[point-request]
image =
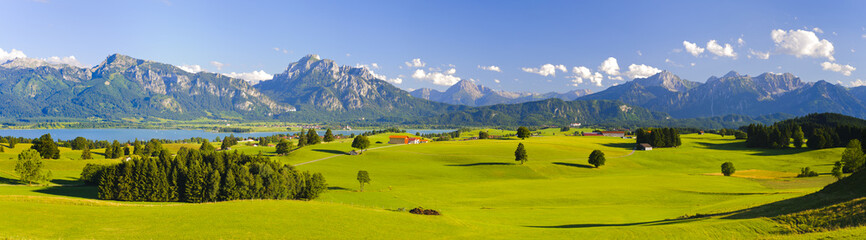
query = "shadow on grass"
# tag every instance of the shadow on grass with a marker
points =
(5, 180)
(627, 146)
(573, 165)
(332, 188)
(480, 164)
(593, 225)
(330, 151)
(83, 191)
(739, 145)
(67, 182)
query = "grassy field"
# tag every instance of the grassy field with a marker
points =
(480, 190)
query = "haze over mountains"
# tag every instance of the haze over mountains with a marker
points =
(316, 89)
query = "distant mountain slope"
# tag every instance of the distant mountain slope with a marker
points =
(122, 86)
(468, 93)
(322, 90)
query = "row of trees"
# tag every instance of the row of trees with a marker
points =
(775, 136)
(659, 137)
(202, 176)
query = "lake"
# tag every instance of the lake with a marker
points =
(173, 134)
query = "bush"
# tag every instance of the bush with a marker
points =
(422, 211)
(596, 158)
(728, 168)
(807, 172)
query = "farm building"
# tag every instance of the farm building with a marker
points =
(395, 139)
(644, 146)
(613, 133)
(592, 134)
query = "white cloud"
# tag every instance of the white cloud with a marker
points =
(858, 83)
(253, 77)
(12, 54)
(741, 42)
(609, 67)
(717, 49)
(191, 68)
(437, 78)
(817, 30)
(639, 53)
(451, 71)
(285, 51)
(63, 60)
(490, 68)
(693, 48)
(416, 63)
(672, 63)
(759, 54)
(693, 64)
(839, 68)
(546, 69)
(372, 66)
(583, 73)
(218, 65)
(641, 71)
(496, 80)
(802, 43)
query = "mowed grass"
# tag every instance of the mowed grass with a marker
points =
(480, 190)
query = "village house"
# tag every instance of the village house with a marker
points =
(613, 133)
(396, 139)
(644, 146)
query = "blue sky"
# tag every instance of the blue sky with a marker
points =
(456, 39)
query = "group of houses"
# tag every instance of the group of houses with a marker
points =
(398, 139)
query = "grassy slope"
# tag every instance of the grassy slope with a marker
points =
(475, 184)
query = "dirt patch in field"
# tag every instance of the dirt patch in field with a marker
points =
(758, 174)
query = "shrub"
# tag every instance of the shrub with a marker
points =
(422, 211)
(728, 168)
(807, 172)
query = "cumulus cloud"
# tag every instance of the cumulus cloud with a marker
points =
(218, 65)
(62, 60)
(546, 69)
(817, 30)
(802, 43)
(496, 80)
(372, 66)
(839, 68)
(740, 41)
(490, 68)
(641, 71)
(759, 54)
(253, 77)
(609, 66)
(437, 78)
(12, 54)
(693, 48)
(416, 63)
(583, 73)
(719, 50)
(191, 68)
(857, 83)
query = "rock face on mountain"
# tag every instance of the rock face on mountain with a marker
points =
(319, 86)
(734, 93)
(468, 93)
(122, 86)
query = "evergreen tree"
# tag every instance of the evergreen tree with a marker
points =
(126, 151)
(228, 191)
(523, 132)
(206, 146)
(329, 136)
(520, 154)
(852, 157)
(12, 142)
(818, 140)
(596, 158)
(302, 139)
(312, 137)
(118, 149)
(797, 134)
(213, 185)
(137, 149)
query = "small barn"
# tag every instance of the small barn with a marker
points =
(613, 133)
(396, 139)
(644, 146)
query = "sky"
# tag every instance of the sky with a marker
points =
(528, 46)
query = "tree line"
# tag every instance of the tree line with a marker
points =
(202, 176)
(658, 137)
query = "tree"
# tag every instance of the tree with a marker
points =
(596, 158)
(313, 137)
(264, 141)
(363, 177)
(85, 154)
(283, 147)
(302, 139)
(837, 170)
(520, 154)
(728, 168)
(137, 148)
(29, 167)
(523, 132)
(852, 157)
(206, 146)
(329, 136)
(78, 143)
(798, 137)
(12, 142)
(46, 147)
(361, 142)
(226, 143)
(483, 135)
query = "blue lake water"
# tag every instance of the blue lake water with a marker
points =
(146, 134)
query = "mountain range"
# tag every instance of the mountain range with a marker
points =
(316, 89)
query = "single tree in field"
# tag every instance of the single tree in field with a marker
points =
(302, 138)
(46, 147)
(363, 177)
(206, 146)
(520, 154)
(798, 137)
(313, 137)
(283, 147)
(837, 170)
(361, 142)
(329, 136)
(2, 149)
(596, 158)
(852, 157)
(78, 143)
(483, 135)
(12, 142)
(728, 168)
(29, 167)
(85, 154)
(523, 132)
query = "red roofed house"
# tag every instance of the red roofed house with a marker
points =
(395, 139)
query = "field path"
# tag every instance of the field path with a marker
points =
(629, 154)
(336, 155)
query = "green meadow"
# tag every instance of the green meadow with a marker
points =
(476, 185)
